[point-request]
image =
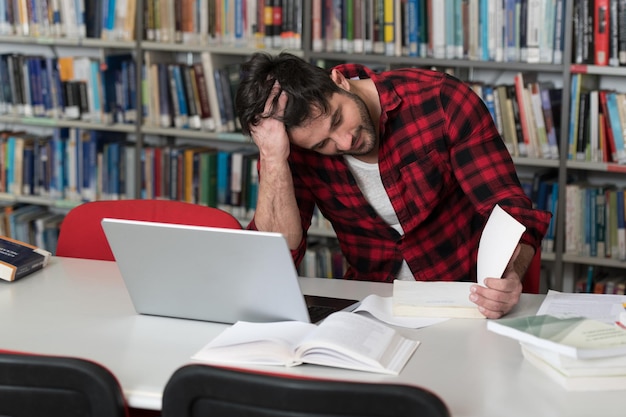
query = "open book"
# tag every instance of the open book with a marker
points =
(343, 340)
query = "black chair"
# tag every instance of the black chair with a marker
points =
(197, 390)
(50, 386)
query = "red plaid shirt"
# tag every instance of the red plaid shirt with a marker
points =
(444, 167)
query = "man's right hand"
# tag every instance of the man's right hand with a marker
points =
(270, 135)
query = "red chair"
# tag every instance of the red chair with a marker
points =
(81, 234)
(532, 279)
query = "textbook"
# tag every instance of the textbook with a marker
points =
(433, 299)
(342, 340)
(570, 367)
(580, 374)
(575, 337)
(18, 259)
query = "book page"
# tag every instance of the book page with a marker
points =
(256, 343)
(497, 244)
(381, 309)
(353, 341)
(601, 307)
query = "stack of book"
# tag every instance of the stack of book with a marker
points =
(580, 354)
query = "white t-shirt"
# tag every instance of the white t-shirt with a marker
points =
(368, 179)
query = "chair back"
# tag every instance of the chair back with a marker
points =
(532, 279)
(198, 390)
(37, 385)
(81, 234)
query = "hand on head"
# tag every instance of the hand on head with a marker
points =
(270, 135)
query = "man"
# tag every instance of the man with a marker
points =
(406, 165)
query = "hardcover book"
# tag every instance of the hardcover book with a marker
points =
(18, 259)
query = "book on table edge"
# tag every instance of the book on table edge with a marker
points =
(613, 366)
(18, 259)
(575, 337)
(575, 383)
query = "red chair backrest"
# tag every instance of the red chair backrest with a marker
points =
(81, 234)
(532, 279)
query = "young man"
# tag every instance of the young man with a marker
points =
(406, 165)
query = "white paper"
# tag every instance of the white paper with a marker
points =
(381, 309)
(497, 244)
(601, 307)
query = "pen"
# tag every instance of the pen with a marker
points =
(621, 322)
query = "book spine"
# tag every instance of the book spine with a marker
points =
(601, 30)
(205, 108)
(190, 94)
(389, 27)
(621, 12)
(559, 32)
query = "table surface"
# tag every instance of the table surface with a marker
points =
(81, 308)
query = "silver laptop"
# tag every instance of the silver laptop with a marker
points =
(212, 274)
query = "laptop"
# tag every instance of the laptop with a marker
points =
(212, 274)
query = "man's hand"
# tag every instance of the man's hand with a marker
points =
(270, 135)
(500, 294)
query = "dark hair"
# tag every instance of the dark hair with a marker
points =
(307, 87)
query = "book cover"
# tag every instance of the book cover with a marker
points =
(574, 337)
(18, 259)
(343, 340)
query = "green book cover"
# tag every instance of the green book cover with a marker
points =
(576, 337)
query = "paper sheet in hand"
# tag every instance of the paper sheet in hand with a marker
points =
(497, 244)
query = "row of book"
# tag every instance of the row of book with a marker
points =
(43, 18)
(227, 179)
(195, 96)
(258, 23)
(527, 114)
(322, 260)
(600, 281)
(595, 221)
(32, 224)
(599, 32)
(84, 165)
(543, 190)
(108, 19)
(487, 30)
(68, 164)
(597, 123)
(77, 88)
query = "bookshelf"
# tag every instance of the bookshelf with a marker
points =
(497, 69)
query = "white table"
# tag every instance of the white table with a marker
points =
(81, 308)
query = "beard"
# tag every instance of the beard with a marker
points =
(366, 130)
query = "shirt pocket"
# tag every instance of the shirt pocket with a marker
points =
(426, 181)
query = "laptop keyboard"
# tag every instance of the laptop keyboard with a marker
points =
(319, 313)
